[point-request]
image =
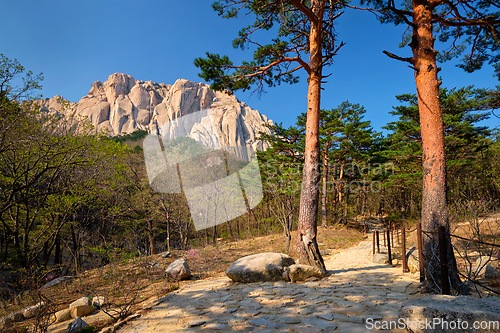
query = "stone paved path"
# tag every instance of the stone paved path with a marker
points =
(356, 290)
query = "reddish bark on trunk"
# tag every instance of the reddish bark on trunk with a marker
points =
(434, 205)
(324, 189)
(307, 246)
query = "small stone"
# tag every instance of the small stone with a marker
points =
(491, 272)
(33, 311)
(166, 254)
(298, 272)
(77, 325)
(412, 260)
(98, 301)
(381, 258)
(486, 271)
(178, 270)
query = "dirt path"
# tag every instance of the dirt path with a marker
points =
(357, 293)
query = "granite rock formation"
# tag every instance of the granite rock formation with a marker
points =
(122, 105)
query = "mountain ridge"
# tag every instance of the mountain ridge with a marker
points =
(122, 105)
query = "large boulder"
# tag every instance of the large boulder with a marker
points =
(178, 270)
(298, 272)
(259, 267)
(442, 313)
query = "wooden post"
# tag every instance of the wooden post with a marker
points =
(445, 286)
(373, 236)
(420, 254)
(403, 249)
(392, 236)
(378, 242)
(383, 233)
(389, 246)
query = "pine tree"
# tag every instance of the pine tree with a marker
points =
(305, 40)
(464, 139)
(451, 18)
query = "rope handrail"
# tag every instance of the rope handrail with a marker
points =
(478, 283)
(475, 241)
(442, 256)
(428, 233)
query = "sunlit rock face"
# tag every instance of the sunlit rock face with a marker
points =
(122, 105)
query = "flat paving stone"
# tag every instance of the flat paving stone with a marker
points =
(320, 323)
(288, 320)
(262, 322)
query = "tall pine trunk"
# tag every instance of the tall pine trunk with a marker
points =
(434, 206)
(307, 246)
(324, 189)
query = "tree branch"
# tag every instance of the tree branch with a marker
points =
(262, 70)
(393, 56)
(305, 10)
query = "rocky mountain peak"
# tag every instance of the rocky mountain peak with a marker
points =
(122, 105)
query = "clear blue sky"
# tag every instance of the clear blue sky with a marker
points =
(75, 43)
